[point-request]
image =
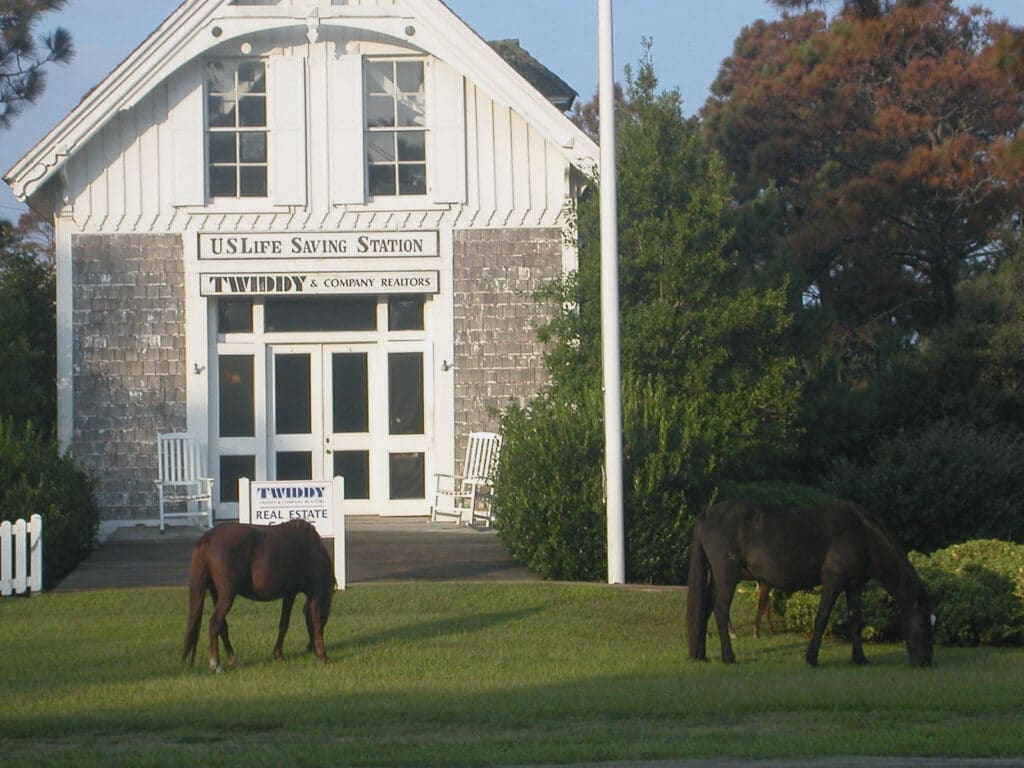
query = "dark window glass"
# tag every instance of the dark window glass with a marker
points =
(292, 395)
(405, 313)
(350, 392)
(406, 476)
(222, 148)
(380, 111)
(294, 465)
(233, 468)
(411, 146)
(381, 147)
(253, 147)
(354, 466)
(405, 393)
(382, 180)
(237, 396)
(252, 181)
(222, 112)
(223, 181)
(409, 76)
(234, 316)
(252, 111)
(320, 313)
(412, 179)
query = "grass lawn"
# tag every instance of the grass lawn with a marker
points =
(445, 674)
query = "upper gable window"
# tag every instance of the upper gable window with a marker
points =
(396, 127)
(236, 92)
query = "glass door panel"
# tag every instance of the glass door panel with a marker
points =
(292, 394)
(295, 434)
(354, 466)
(405, 393)
(350, 392)
(407, 440)
(348, 419)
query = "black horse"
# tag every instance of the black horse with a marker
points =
(840, 546)
(260, 563)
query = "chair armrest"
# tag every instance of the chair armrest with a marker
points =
(457, 483)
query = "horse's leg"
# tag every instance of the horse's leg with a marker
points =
(282, 626)
(232, 658)
(725, 589)
(764, 608)
(219, 628)
(310, 630)
(704, 619)
(853, 602)
(829, 594)
(315, 627)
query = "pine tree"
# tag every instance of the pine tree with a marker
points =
(24, 55)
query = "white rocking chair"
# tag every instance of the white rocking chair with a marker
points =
(180, 479)
(469, 497)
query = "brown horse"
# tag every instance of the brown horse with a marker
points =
(259, 563)
(838, 546)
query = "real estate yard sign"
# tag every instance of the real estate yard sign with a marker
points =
(318, 502)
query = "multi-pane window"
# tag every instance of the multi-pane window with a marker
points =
(237, 128)
(396, 128)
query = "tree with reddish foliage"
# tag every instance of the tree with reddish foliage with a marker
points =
(884, 141)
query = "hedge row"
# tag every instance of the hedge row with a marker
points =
(36, 478)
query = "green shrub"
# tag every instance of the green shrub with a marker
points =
(982, 588)
(550, 489)
(946, 484)
(35, 478)
(983, 582)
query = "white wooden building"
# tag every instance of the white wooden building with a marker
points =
(309, 232)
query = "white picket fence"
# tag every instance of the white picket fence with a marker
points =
(21, 556)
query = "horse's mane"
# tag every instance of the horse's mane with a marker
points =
(874, 524)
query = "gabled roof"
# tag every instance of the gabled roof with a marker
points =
(189, 31)
(554, 88)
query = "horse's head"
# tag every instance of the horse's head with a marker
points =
(918, 625)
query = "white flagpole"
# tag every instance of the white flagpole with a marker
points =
(610, 302)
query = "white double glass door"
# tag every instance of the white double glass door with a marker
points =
(359, 411)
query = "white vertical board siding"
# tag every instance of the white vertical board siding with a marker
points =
(287, 158)
(347, 157)
(515, 175)
(186, 114)
(485, 153)
(504, 162)
(152, 182)
(132, 143)
(519, 148)
(446, 169)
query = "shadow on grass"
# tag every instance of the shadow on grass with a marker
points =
(432, 629)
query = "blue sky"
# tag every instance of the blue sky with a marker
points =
(691, 37)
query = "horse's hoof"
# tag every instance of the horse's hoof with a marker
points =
(812, 660)
(861, 662)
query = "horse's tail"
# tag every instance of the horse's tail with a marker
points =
(199, 573)
(698, 593)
